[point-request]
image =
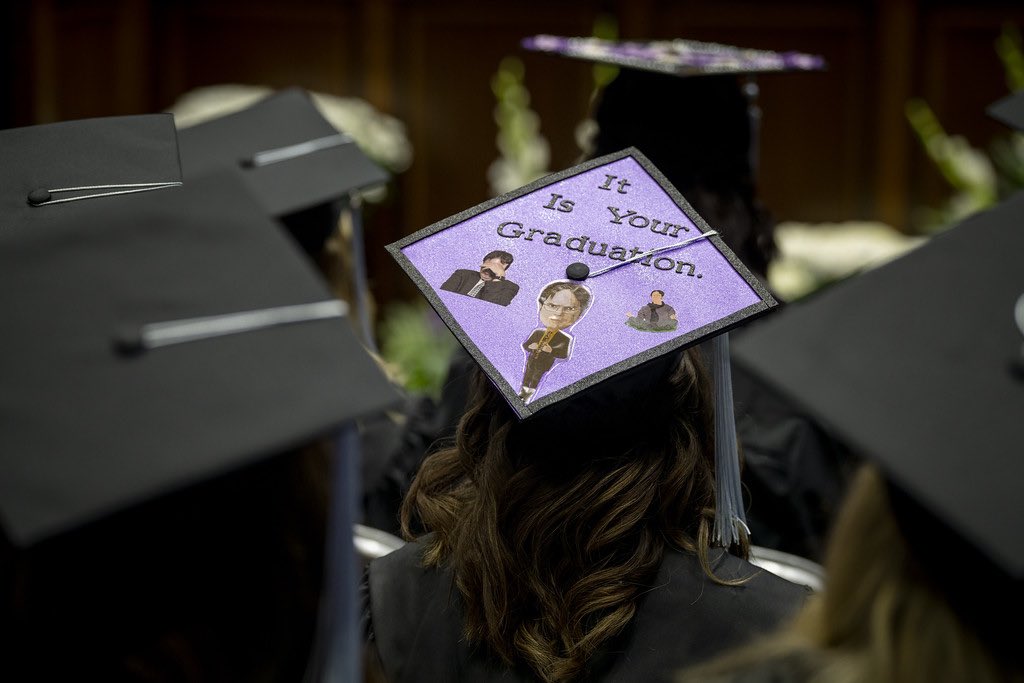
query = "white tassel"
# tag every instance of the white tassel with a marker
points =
(729, 513)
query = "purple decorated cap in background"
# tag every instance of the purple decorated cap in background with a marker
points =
(577, 277)
(677, 57)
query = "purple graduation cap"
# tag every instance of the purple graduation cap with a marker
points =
(678, 57)
(580, 276)
(716, 143)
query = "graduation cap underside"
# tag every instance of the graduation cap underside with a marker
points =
(157, 343)
(1009, 110)
(291, 156)
(913, 365)
(578, 277)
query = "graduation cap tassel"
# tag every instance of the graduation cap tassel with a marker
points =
(362, 290)
(336, 655)
(43, 197)
(728, 494)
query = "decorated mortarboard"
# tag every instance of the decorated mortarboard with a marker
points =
(678, 57)
(579, 277)
(292, 158)
(918, 365)
(1009, 110)
(49, 170)
(157, 344)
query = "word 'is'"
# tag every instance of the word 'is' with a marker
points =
(622, 217)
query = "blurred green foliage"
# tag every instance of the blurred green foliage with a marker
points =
(524, 152)
(979, 179)
(417, 346)
(606, 27)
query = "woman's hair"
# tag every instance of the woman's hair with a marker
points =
(880, 619)
(554, 527)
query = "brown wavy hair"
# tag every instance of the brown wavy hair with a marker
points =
(555, 527)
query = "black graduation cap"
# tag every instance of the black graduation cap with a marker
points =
(301, 169)
(155, 344)
(50, 170)
(916, 365)
(1009, 110)
(292, 158)
(560, 288)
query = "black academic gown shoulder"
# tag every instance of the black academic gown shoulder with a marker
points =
(799, 665)
(415, 616)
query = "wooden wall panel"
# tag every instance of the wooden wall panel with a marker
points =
(450, 55)
(835, 145)
(892, 65)
(813, 151)
(260, 43)
(88, 59)
(445, 58)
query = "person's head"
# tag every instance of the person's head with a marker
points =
(699, 136)
(525, 512)
(887, 600)
(657, 296)
(165, 541)
(218, 581)
(882, 617)
(562, 303)
(495, 264)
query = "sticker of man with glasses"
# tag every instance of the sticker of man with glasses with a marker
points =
(560, 305)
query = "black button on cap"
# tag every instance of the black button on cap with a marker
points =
(128, 340)
(1017, 368)
(39, 196)
(577, 271)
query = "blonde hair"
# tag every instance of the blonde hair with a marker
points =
(879, 620)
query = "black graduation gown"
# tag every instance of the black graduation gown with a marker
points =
(415, 618)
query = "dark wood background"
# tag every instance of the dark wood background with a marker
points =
(835, 145)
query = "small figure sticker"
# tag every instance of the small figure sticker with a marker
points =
(560, 305)
(657, 316)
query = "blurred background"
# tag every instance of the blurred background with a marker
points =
(891, 140)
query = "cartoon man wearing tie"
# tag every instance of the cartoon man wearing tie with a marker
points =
(560, 305)
(487, 284)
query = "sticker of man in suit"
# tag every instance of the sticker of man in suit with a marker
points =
(486, 284)
(656, 316)
(560, 305)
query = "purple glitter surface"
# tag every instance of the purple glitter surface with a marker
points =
(680, 57)
(605, 213)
